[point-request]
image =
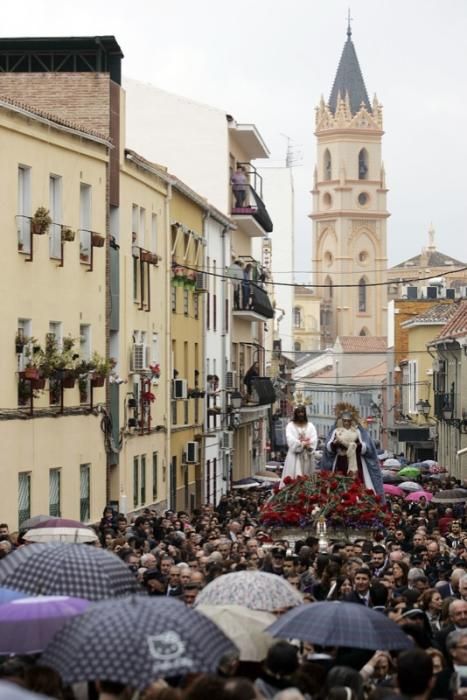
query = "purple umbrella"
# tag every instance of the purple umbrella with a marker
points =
(29, 624)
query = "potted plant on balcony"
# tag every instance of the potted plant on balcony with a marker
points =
(41, 221)
(101, 368)
(97, 241)
(34, 362)
(189, 281)
(68, 234)
(60, 363)
(178, 276)
(148, 397)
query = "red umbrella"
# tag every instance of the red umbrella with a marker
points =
(392, 490)
(416, 496)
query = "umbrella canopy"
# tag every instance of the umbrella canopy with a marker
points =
(340, 624)
(450, 496)
(436, 469)
(391, 463)
(430, 462)
(157, 637)
(256, 590)
(8, 594)
(28, 625)
(61, 530)
(11, 691)
(410, 486)
(35, 520)
(392, 490)
(390, 477)
(416, 495)
(67, 569)
(244, 627)
(410, 472)
(266, 476)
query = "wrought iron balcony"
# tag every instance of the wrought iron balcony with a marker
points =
(251, 302)
(248, 208)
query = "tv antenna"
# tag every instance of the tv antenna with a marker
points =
(293, 156)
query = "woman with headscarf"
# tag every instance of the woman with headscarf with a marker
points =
(349, 449)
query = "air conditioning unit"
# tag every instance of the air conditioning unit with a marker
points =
(227, 439)
(201, 282)
(180, 389)
(191, 452)
(231, 380)
(139, 357)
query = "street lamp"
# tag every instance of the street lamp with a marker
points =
(236, 400)
(447, 412)
(423, 407)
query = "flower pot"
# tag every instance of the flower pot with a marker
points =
(38, 383)
(146, 256)
(97, 241)
(97, 381)
(31, 373)
(68, 382)
(38, 228)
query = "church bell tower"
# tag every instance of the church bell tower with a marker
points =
(349, 215)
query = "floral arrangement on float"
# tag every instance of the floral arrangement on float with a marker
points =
(341, 502)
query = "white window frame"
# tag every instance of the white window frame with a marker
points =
(55, 209)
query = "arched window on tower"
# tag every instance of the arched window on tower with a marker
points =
(363, 164)
(297, 347)
(327, 164)
(362, 295)
(297, 317)
(328, 290)
(364, 332)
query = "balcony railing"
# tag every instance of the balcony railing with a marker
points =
(445, 402)
(249, 296)
(247, 202)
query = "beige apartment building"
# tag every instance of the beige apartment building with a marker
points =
(53, 457)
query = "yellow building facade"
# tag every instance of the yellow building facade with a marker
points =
(53, 455)
(187, 211)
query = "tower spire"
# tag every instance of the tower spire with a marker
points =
(349, 78)
(349, 28)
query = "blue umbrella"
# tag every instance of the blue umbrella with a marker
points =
(336, 624)
(136, 640)
(28, 625)
(8, 594)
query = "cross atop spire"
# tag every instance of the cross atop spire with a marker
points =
(349, 28)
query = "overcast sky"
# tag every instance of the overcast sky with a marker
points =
(269, 61)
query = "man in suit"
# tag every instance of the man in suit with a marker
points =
(362, 590)
(451, 589)
(174, 589)
(458, 621)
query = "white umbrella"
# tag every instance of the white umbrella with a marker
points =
(266, 476)
(410, 486)
(391, 463)
(77, 535)
(61, 530)
(244, 627)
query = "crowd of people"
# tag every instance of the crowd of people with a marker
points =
(414, 572)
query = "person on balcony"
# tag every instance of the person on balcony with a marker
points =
(249, 378)
(239, 182)
(302, 439)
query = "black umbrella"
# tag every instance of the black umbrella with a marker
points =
(135, 642)
(450, 496)
(336, 624)
(77, 570)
